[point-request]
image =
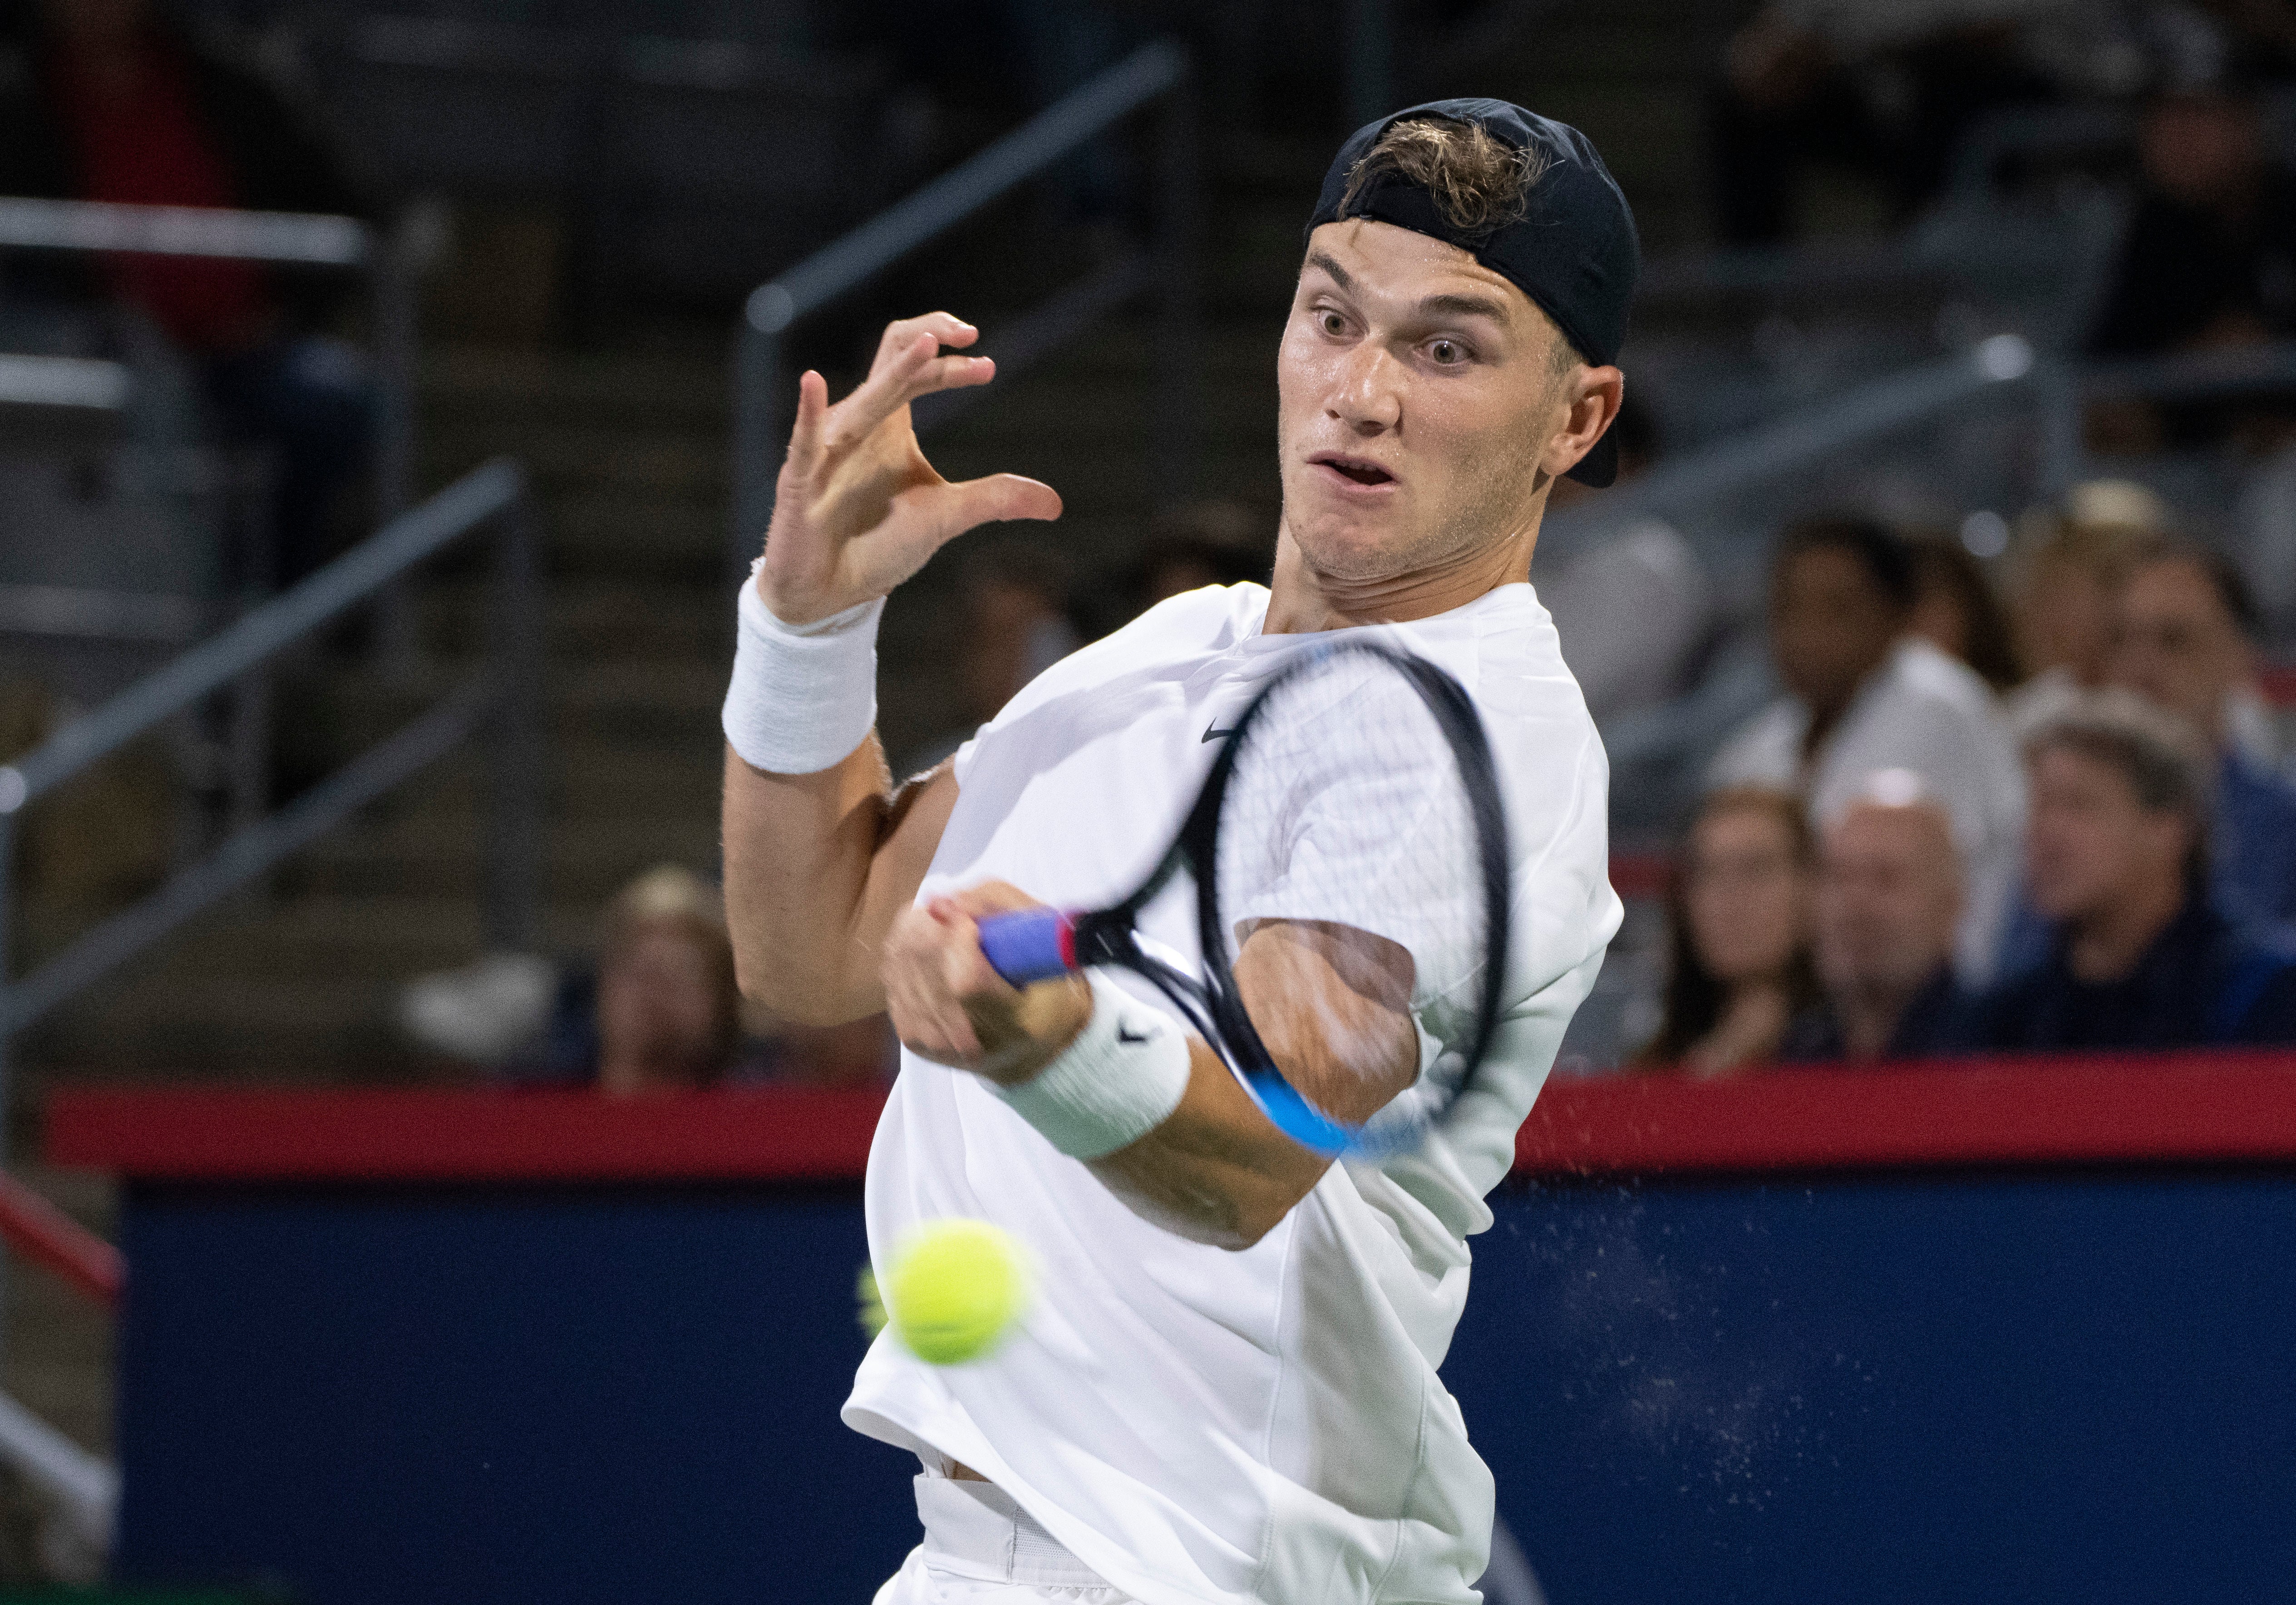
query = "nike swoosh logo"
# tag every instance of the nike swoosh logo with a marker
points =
(1125, 1034)
(1213, 733)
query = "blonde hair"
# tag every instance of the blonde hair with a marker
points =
(673, 896)
(1480, 182)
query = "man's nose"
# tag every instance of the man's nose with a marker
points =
(1365, 396)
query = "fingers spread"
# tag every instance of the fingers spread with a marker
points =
(885, 390)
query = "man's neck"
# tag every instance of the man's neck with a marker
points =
(2108, 945)
(1302, 602)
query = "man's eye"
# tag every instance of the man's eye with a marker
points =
(1446, 353)
(1331, 323)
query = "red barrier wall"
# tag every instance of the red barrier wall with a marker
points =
(2165, 1108)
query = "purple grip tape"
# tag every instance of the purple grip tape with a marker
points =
(1035, 944)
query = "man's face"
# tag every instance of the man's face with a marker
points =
(657, 1003)
(1420, 404)
(1889, 898)
(2176, 645)
(2064, 619)
(2088, 841)
(1829, 626)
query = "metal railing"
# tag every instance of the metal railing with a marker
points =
(83, 1489)
(1156, 73)
(501, 697)
(393, 259)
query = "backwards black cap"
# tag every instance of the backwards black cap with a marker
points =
(1573, 250)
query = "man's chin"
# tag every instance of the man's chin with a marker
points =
(1354, 548)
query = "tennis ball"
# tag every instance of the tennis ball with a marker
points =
(955, 1289)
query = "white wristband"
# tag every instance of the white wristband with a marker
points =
(803, 696)
(1116, 1082)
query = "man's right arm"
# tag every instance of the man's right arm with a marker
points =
(817, 866)
(821, 855)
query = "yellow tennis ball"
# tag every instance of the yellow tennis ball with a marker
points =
(955, 1289)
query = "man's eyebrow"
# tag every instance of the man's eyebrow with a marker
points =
(1452, 304)
(1464, 306)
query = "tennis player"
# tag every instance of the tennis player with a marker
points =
(1226, 1389)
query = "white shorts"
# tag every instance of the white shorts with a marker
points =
(981, 1548)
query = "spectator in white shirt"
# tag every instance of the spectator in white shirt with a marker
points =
(1862, 695)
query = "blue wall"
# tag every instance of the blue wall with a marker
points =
(2069, 1387)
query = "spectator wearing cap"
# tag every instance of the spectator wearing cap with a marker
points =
(1887, 904)
(2183, 640)
(2117, 862)
(1862, 695)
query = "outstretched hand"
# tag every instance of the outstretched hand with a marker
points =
(859, 509)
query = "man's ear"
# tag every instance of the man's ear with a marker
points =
(1592, 396)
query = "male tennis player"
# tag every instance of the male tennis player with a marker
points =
(1226, 1390)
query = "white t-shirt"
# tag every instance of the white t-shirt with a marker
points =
(1196, 1424)
(1928, 713)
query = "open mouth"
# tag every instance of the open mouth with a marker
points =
(1357, 470)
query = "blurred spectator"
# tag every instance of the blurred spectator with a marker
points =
(2067, 582)
(104, 100)
(2208, 261)
(1214, 542)
(1013, 603)
(1863, 696)
(1633, 611)
(1955, 612)
(2117, 860)
(658, 1011)
(669, 1012)
(2266, 521)
(1889, 88)
(1889, 898)
(1740, 970)
(2183, 641)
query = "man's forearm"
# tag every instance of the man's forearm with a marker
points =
(1217, 1171)
(816, 865)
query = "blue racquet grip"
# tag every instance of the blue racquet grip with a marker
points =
(1035, 944)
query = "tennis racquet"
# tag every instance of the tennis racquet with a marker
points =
(1356, 787)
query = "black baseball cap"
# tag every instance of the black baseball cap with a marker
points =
(1573, 251)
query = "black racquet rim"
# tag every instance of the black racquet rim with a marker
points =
(1213, 1005)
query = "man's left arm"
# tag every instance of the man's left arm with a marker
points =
(1331, 1004)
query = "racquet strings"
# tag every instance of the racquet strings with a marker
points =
(1346, 804)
